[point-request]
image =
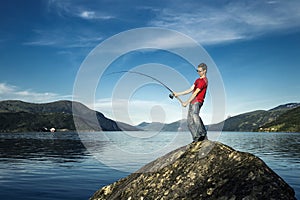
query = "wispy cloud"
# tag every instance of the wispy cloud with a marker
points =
(60, 39)
(94, 15)
(11, 92)
(207, 22)
(149, 39)
(87, 14)
(80, 35)
(79, 9)
(210, 23)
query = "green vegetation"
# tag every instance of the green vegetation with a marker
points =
(18, 116)
(26, 122)
(286, 122)
(284, 118)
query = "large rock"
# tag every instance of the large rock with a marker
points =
(202, 170)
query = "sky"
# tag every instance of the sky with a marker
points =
(255, 46)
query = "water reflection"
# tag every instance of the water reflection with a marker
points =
(36, 166)
(41, 146)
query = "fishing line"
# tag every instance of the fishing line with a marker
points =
(153, 78)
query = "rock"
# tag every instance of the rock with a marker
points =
(202, 170)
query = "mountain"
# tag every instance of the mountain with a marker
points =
(286, 122)
(157, 126)
(19, 116)
(154, 126)
(250, 121)
(284, 118)
(254, 121)
(286, 106)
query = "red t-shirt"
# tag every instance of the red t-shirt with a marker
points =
(200, 83)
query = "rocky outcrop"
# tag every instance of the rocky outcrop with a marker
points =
(202, 170)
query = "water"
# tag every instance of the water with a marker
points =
(66, 166)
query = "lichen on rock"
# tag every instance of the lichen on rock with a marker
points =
(201, 170)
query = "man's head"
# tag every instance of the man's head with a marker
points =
(202, 69)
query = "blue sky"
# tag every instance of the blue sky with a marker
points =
(254, 44)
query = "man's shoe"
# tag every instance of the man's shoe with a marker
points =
(196, 139)
(201, 138)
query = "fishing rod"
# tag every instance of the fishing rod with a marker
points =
(155, 79)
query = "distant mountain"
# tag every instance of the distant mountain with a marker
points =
(19, 116)
(180, 125)
(154, 126)
(286, 122)
(250, 121)
(286, 106)
(157, 126)
(284, 118)
(256, 120)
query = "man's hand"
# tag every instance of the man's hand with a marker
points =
(175, 94)
(184, 104)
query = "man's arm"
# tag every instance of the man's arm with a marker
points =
(176, 94)
(184, 104)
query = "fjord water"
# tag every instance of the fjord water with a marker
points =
(66, 165)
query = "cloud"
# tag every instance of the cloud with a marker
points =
(210, 23)
(87, 14)
(78, 9)
(61, 39)
(80, 35)
(207, 22)
(94, 15)
(149, 39)
(11, 92)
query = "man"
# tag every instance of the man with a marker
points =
(196, 100)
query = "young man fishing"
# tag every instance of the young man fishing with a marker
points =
(196, 100)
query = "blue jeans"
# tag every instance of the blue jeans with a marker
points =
(194, 122)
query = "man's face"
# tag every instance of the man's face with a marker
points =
(200, 71)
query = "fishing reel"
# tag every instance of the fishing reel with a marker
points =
(172, 96)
